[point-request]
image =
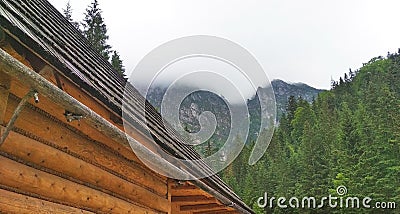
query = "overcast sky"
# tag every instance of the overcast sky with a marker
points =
(306, 41)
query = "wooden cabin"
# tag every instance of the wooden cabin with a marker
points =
(62, 147)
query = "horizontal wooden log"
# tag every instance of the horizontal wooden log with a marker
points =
(22, 177)
(11, 202)
(65, 139)
(51, 158)
(55, 110)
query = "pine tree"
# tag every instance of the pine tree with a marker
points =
(95, 30)
(68, 15)
(68, 12)
(291, 107)
(116, 62)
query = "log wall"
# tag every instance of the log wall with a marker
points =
(62, 167)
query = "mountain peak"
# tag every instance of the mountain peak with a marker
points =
(284, 90)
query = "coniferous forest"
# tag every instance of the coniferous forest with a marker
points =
(348, 136)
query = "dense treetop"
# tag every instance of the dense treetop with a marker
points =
(94, 29)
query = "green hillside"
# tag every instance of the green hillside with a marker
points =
(348, 136)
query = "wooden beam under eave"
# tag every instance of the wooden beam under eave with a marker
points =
(222, 211)
(169, 195)
(202, 207)
(185, 186)
(188, 192)
(187, 189)
(4, 92)
(191, 199)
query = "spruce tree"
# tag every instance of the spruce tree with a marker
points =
(68, 12)
(95, 30)
(116, 62)
(68, 15)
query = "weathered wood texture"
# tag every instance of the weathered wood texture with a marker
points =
(19, 89)
(71, 139)
(72, 157)
(4, 91)
(47, 157)
(20, 204)
(23, 177)
(10, 50)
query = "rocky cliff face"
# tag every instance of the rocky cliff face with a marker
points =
(284, 90)
(201, 101)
